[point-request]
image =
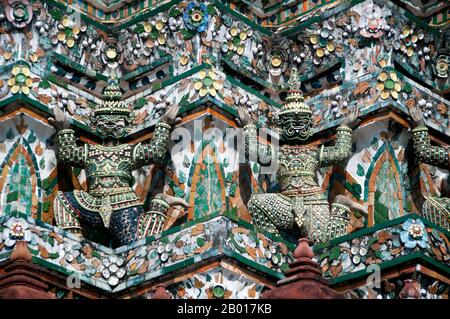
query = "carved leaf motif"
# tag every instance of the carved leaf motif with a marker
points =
(79, 266)
(240, 230)
(434, 287)
(206, 43)
(205, 247)
(87, 250)
(401, 155)
(283, 248)
(371, 294)
(131, 255)
(198, 283)
(437, 253)
(197, 230)
(143, 268)
(353, 42)
(140, 117)
(181, 292)
(356, 223)
(372, 97)
(383, 236)
(318, 118)
(228, 100)
(43, 251)
(388, 286)
(361, 88)
(360, 170)
(410, 103)
(355, 15)
(366, 157)
(56, 236)
(262, 106)
(139, 189)
(373, 260)
(397, 251)
(179, 257)
(44, 98)
(96, 263)
(251, 251)
(133, 266)
(227, 294)
(21, 126)
(263, 240)
(343, 21)
(384, 135)
(336, 270)
(444, 295)
(252, 291)
(38, 150)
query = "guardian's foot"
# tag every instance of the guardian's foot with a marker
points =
(353, 206)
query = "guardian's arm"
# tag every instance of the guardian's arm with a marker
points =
(255, 151)
(153, 152)
(331, 155)
(424, 152)
(67, 151)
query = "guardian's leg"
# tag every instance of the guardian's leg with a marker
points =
(152, 223)
(338, 222)
(437, 210)
(271, 212)
(66, 213)
(124, 224)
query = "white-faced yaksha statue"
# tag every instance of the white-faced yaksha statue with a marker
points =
(301, 206)
(110, 201)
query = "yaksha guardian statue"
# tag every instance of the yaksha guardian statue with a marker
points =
(301, 207)
(435, 209)
(110, 201)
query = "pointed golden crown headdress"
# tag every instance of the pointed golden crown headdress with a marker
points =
(112, 99)
(295, 101)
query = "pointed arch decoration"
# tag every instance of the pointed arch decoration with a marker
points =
(20, 182)
(207, 180)
(383, 187)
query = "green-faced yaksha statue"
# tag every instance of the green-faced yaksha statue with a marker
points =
(435, 209)
(301, 207)
(110, 201)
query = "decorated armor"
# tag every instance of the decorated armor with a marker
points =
(301, 203)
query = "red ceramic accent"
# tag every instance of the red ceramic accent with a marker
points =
(303, 279)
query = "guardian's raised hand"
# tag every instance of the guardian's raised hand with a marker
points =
(416, 116)
(244, 117)
(60, 120)
(351, 119)
(170, 117)
(174, 201)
